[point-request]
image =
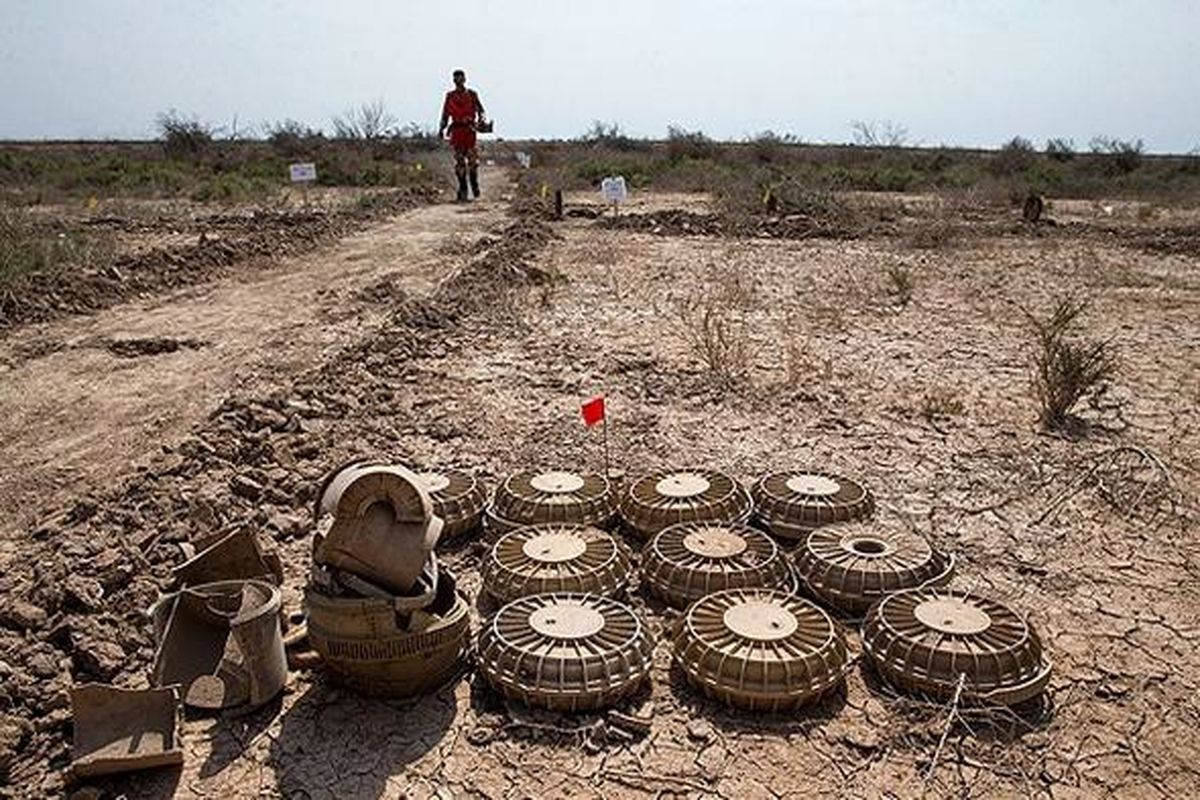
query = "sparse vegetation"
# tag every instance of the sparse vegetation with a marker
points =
(1117, 156)
(368, 122)
(940, 403)
(900, 284)
(27, 248)
(1016, 156)
(1067, 364)
(878, 133)
(183, 136)
(710, 323)
(1060, 149)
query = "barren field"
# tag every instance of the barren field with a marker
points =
(468, 336)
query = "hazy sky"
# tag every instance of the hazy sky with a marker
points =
(955, 72)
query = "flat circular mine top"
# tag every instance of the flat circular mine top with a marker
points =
(682, 484)
(952, 615)
(715, 543)
(867, 546)
(554, 547)
(556, 482)
(760, 621)
(433, 481)
(566, 620)
(814, 485)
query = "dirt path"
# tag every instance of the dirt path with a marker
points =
(83, 400)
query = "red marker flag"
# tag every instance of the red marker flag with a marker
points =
(593, 411)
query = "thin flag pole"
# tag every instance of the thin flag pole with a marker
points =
(604, 423)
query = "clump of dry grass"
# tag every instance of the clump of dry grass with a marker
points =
(940, 403)
(711, 323)
(900, 283)
(1066, 365)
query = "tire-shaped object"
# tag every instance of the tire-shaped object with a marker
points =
(534, 498)
(927, 640)
(538, 559)
(458, 497)
(662, 499)
(565, 651)
(793, 503)
(685, 562)
(851, 565)
(362, 646)
(760, 649)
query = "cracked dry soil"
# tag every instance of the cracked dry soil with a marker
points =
(480, 357)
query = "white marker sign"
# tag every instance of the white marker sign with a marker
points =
(302, 173)
(613, 189)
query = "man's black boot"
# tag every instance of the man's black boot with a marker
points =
(475, 182)
(462, 189)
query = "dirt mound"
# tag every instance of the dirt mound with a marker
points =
(224, 242)
(677, 222)
(74, 596)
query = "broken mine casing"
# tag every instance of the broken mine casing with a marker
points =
(458, 498)
(555, 496)
(661, 499)
(565, 651)
(122, 730)
(396, 647)
(383, 527)
(792, 504)
(928, 640)
(685, 562)
(760, 649)
(222, 643)
(556, 558)
(851, 565)
(226, 557)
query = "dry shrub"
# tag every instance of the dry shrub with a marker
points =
(802, 365)
(709, 322)
(900, 283)
(1067, 365)
(940, 403)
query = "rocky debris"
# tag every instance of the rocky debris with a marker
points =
(83, 594)
(74, 602)
(150, 346)
(18, 615)
(678, 222)
(700, 730)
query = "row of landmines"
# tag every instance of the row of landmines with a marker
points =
(383, 617)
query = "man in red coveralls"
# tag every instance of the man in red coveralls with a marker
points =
(462, 110)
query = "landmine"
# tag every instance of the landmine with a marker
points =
(954, 644)
(851, 565)
(760, 649)
(229, 556)
(458, 499)
(792, 504)
(221, 643)
(381, 614)
(383, 527)
(556, 558)
(553, 496)
(122, 730)
(685, 562)
(565, 651)
(661, 499)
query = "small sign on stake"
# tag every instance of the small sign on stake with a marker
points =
(614, 191)
(302, 173)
